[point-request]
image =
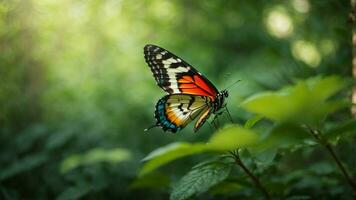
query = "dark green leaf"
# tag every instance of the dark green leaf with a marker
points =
(266, 157)
(153, 180)
(75, 192)
(282, 135)
(342, 128)
(23, 165)
(200, 179)
(225, 188)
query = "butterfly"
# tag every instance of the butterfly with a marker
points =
(190, 94)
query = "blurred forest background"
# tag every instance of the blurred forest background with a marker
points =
(76, 93)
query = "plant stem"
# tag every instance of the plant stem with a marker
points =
(238, 161)
(331, 151)
(255, 180)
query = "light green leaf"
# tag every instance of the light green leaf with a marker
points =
(94, 156)
(232, 137)
(169, 153)
(304, 102)
(252, 121)
(228, 138)
(200, 179)
(326, 87)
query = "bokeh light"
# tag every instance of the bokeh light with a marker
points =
(306, 52)
(302, 6)
(279, 23)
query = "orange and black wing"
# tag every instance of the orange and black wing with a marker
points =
(175, 111)
(175, 76)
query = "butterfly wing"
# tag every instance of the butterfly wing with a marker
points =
(175, 76)
(175, 111)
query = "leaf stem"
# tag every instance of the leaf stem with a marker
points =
(330, 149)
(255, 180)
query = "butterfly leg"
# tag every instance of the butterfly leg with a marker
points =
(227, 110)
(155, 125)
(217, 120)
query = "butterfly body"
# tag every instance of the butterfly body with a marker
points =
(190, 94)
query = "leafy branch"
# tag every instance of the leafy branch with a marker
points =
(287, 110)
(254, 178)
(317, 136)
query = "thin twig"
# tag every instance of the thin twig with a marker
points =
(327, 145)
(255, 180)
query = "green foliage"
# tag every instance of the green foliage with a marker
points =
(76, 95)
(342, 129)
(303, 103)
(228, 138)
(75, 192)
(231, 137)
(225, 188)
(252, 121)
(169, 153)
(23, 165)
(281, 136)
(94, 156)
(153, 180)
(200, 179)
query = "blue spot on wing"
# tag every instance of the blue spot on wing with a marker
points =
(161, 117)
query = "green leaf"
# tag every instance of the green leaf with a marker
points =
(228, 138)
(23, 165)
(343, 128)
(94, 156)
(58, 139)
(225, 188)
(322, 168)
(282, 135)
(266, 157)
(252, 121)
(200, 179)
(304, 102)
(152, 180)
(232, 137)
(326, 87)
(75, 192)
(169, 153)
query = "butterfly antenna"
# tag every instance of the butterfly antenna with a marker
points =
(232, 84)
(146, 129)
